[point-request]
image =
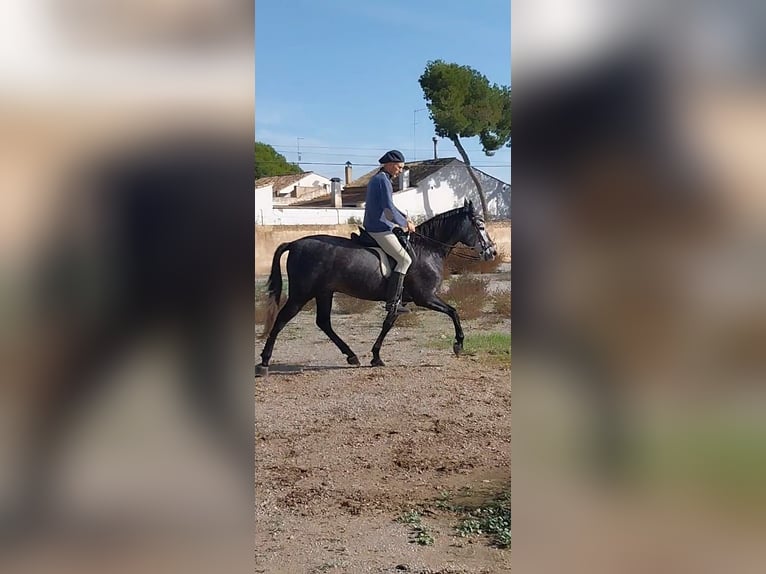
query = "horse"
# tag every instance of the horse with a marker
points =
(318, 266)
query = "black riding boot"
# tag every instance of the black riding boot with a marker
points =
(394, 294)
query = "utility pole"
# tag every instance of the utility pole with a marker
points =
(299, 148)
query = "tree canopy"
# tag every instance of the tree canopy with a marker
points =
(462, 103)
(269, 162)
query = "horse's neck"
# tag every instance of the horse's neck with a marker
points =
(442, 240)
(441, 233)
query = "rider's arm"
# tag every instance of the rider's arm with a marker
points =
(390, 212)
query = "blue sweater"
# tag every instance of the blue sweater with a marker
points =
(380, 196)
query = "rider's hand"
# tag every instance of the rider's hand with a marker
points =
(410, 226)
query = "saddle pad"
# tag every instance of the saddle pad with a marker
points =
(385, 264)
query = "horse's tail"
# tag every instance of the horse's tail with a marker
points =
(274, 288)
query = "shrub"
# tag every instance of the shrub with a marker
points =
(261, 303)
(501, 302)
(411, 319)
(260, 310)
(468, 293)
(346, 305)
(463, 260)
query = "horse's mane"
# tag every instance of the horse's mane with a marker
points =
(431, 226)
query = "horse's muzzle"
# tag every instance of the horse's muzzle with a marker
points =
(489, 253)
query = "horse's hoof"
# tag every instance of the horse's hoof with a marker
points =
(261, 371)
(377, 362)
(353, 360)
(457, 348)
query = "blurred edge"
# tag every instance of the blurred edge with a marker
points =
(126, 340)
(640, 332)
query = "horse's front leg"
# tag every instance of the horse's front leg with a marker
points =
(387, 324)
(437, 304)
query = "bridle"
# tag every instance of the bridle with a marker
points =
(478, 224)
(481, 230)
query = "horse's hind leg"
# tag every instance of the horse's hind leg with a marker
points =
(387, 324)
(324, 306)
(290, 310)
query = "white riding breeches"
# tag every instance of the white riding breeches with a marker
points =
(390, 244)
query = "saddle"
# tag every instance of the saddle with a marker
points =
(387, 263)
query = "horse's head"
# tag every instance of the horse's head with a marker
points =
(476, 236)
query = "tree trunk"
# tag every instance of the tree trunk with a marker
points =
(475, 179)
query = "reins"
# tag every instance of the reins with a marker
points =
(449, 247)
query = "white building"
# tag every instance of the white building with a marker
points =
(427, 188)
(264, 204)
(294, 188)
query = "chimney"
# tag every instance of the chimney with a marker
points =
(404, 179)
(335, 196)
(348, 172)
(433, 139)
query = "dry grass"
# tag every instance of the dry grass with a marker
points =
(261, 304)
(457, 264)
(260, 311)
(346, 305)
(468, 293)
(501, 302)
(407, 320)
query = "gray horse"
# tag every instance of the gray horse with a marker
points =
(320, 265)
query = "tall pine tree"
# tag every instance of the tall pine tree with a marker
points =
(463, 104)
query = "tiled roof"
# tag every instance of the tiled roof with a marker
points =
(356, 191)
(419, 170)
(281, 181)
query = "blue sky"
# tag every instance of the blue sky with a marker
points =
(342, 75)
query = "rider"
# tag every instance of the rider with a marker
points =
(380, 218)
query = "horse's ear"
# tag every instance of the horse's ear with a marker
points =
(466, 203)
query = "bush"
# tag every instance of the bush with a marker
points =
(501, 302)
(407, 320)
(261, 303)
(260, 310)
(346, 305)
(468, 293)
(458, 264)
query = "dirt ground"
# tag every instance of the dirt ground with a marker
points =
(342, 451)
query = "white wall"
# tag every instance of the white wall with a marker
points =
(264, 209)
(313, 216)
(448, 188)
(444, 190)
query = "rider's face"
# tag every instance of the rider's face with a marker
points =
(394, 168)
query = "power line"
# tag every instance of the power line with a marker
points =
(363, 164)
(303, 152)
(340, 147)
